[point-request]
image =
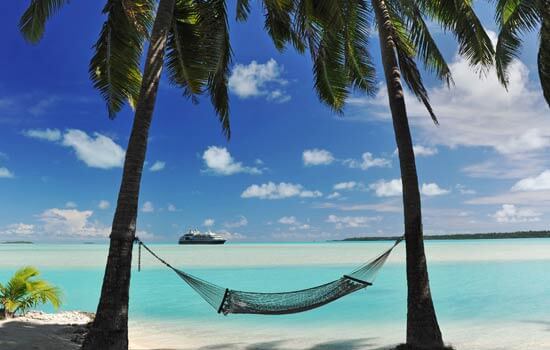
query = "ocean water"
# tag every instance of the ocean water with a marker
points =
(473, 282)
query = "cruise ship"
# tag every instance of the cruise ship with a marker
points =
(197, 237)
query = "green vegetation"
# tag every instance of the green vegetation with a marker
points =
(25, 290)
(491, 235)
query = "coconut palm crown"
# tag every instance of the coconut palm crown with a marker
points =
(25, 290)
(516, 17)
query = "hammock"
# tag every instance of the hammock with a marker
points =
(227, 301)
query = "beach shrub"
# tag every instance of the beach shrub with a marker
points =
(25, 290)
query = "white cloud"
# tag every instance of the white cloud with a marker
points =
(282, 190)
(148, 207)
(288, 220)
(257, 79)
(19, 229)
(242, 221)
(208, 222)
(511, 214)
(535, 183)
(349, 185)
(45, 134)
(71, 204)
(368, 161)
(157, 166)
(334, 195)
(464, 190)
(383, 188)
(103, 204)
(219, 161)
(5, 173)
(172, 208)
(433, 189)
(98, 151)
(351, 221)
(424, 151)
(230, 235)
(71, 223)
(481, 113)
(317, 156)
(391, 188)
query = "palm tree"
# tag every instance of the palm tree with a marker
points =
(25, 290)
(189, 38)
(336, 33)
(516, 17)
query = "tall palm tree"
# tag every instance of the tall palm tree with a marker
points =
(516, 17)
(189, 38)
(336, 33)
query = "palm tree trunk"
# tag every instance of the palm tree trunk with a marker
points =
(109, 330)
(422, 327)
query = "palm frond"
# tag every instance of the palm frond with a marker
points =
(424, 44)
(243, 10)
(405, 51)
(114, 67)
(544, 54)
(515, 17)
(216, 44)
(278, 21)
(33, 21)
(458, 17)
(358, 62)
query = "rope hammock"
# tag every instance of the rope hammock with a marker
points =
(227, 301)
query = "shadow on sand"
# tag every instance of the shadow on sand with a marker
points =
(19, 335)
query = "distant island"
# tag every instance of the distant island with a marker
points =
(491, 235)
(17, 242)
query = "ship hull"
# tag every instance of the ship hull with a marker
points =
(202, 242)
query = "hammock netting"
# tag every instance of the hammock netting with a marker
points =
(228, 301)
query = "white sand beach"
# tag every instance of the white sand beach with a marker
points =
(64, 331)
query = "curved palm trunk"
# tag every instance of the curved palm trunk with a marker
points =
(110, 327)
(422, 327)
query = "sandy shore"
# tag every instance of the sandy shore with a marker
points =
(65, 331)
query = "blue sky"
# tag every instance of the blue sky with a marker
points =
(293, 171)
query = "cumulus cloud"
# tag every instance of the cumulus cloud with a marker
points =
(288, 220)
(383, 188)
(96, 151)
(282, 190)
(509, 213)
(534, 183)
(391, 188)
(433, 189)
(148, 207)
(349, 185)
(45, 134)
(157, 166)
(103, 204)
(242, 221)
(424, 151)
(259, 79)
(5, 173)
(71, 223)
(208, 222)
(351, 221)
(334, 195)
(71, 204)
(367, 161)
(219, 161)
(172, 208)
(317, 156)
(19, 229)
(481, 113)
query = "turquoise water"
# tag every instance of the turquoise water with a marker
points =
(485, 284)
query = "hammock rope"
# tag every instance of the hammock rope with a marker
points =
(227, 301)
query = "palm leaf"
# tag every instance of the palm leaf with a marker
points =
(515, 17)
(114, 67)
(544, 54)
(33, 21)
(458, 17)
(405, 51)
(243, 10)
